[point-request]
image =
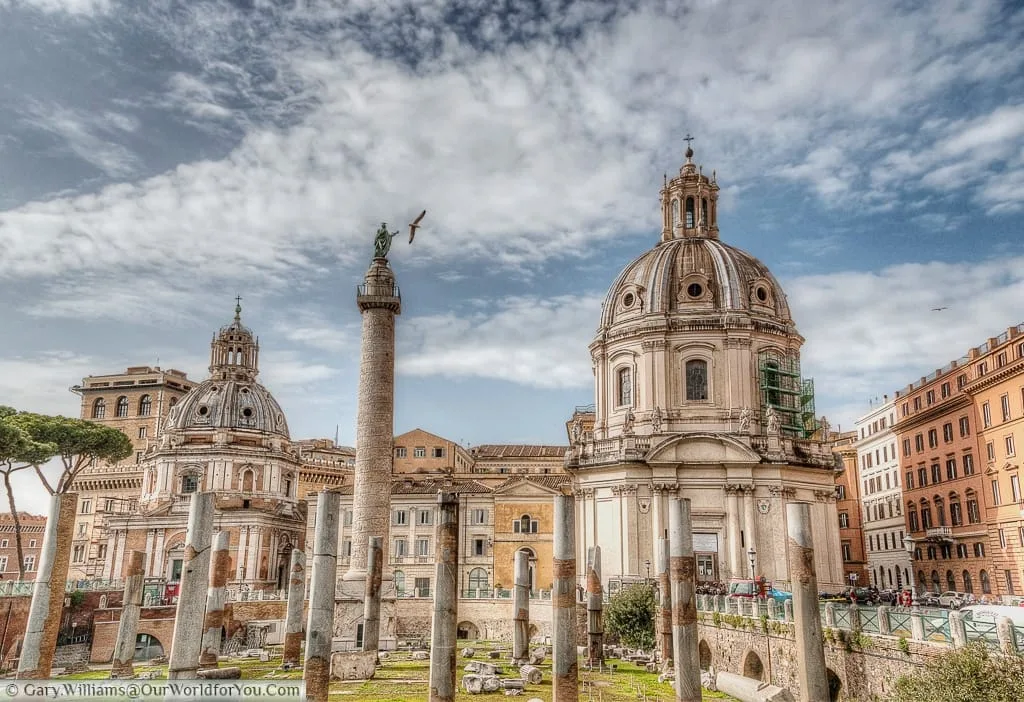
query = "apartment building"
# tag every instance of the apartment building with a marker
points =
(848, 507)
(878, 476)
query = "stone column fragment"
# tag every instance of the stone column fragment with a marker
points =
(195, 577)
(521, 609)
(44, 612)
(296, 602)
(664, 603)
(595, 608)
(217, 596)
(371, 601)
(446, 601)
(320, 625)
(565, 667)
(810, 645)
(683, 571)
(131, 608)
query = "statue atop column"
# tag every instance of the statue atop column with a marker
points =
(382, 244)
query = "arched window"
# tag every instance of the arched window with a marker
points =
(122, 406)
(986, 586)
(675, 213)
(921, 582)
(950, 580)
(935, 580)
(286, 485)
(912, 517)
(696, 380)
(704, 212)
(968, 585)
(956, 515)
(625, 387)
(99, 408)
(399, 583)
(771, 381)
(940, 510)
(478, 579)
(525, 525)
(145, 405)
(689, 213)
(189, 483)
(926, 515)
(248, 478)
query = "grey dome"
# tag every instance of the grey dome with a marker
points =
(228, 404)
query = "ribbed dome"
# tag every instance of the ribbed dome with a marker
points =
(228, 404)
(694, 274)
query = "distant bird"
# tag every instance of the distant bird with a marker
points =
(939, 309)
(415, 224)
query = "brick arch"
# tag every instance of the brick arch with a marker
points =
(705, 654)
(752, 666)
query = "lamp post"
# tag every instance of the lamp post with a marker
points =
(752, 553)
(647, 564)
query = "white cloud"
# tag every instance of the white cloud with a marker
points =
(41, 382)
(91, 137)
(80, 8)
(533, 341)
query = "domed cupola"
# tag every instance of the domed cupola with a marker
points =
(691, 330)
(230, 398)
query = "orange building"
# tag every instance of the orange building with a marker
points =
(996, 384)
(944, 482)
(32, 528)
(851, 528)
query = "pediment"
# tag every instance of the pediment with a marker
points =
(525, 488)
(702, 448)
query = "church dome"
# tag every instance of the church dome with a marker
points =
(228, 404)
(701, 275)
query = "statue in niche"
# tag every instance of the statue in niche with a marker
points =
(577, 431)
(627, 423)
(746, 416)
(656, 420)
(826, 428)
(774, 421)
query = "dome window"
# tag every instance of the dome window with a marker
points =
(245, 391)
(761, 293)
(704, 212)
(695, 290)
(628, 299)
(625, 387)
(696, 380)
(675, 213)
(689, 213)
(203, 410)
(247, 412)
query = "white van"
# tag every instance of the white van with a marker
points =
(992, 613)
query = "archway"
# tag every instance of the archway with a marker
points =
(834, 685)
(752, 667)
(147, 647)
(705, 654)
(467, 630)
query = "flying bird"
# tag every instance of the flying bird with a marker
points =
(415, 224)
(939, 309)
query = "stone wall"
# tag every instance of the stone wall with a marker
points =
(158, 622)
(492, 619)
(13, 621)
(865, 667)
(72, 654)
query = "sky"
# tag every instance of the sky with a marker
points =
(158, 159)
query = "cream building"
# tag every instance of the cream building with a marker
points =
(878, 470)
(698, 393)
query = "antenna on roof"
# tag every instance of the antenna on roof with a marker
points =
(336, 435)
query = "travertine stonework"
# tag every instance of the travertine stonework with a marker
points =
(379, 302)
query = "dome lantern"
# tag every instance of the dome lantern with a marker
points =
(689, 203)
(234, 352)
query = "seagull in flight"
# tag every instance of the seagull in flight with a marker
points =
(939, 309)
(415, 224)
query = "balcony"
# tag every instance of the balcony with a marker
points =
(942, 533)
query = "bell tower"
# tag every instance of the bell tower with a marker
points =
(689, 202)
(234, 353)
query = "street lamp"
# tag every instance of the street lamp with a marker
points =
(752, 553)
(648, 565)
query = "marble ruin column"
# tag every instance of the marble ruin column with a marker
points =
(131, 607)
(664, 603)
(446, 600)
(44, 612)
(320, 625)
(371, 603)
(296, 601)
(595, 607)
(683, 567)
(195, 576)
(521, 609)
(564, 669)
(810, 647)
(220, 560)
(379, 301)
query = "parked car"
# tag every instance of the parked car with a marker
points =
(861, 595)
(928, 599)
(832, 597)
(757, 588)
(953, 600)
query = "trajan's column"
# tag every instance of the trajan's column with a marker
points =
(379, 302)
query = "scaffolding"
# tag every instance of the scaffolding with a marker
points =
(791, 396)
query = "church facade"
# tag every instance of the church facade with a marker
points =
(698, 394)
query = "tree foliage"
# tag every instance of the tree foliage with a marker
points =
(630, 615)
(970, 674)
(78, 444)
(18, 451)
